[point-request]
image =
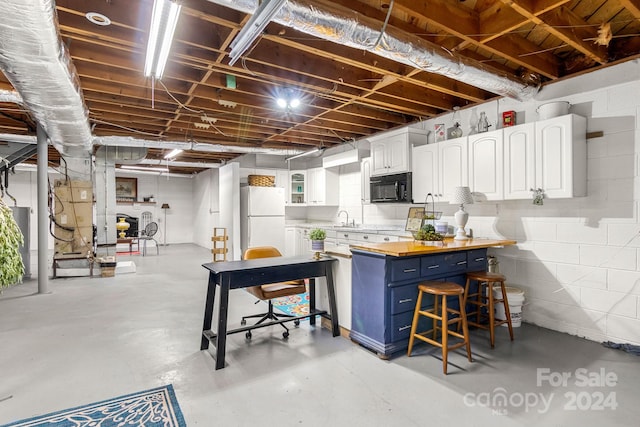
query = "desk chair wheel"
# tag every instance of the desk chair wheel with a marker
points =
(285, 334)
(248, 335)
(296, 322)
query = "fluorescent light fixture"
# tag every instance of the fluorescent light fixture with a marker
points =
(173, 153)
(306, 153)
(252, 29)
(282, 103)
(163, 25)
(294, 103)
(142, 168)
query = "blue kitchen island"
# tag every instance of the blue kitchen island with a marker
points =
(385, 278)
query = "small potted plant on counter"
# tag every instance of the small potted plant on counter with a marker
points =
(427, 235)
(317, 236)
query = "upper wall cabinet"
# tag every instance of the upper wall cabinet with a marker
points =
(454, 167)
(425, 177)
(561, 156)
(322, 187)
(298, 188)
(365, 174)
(439, 168)
(550, 155)
(486, 166)
(508, 163)
(519, 161)
(390, 152)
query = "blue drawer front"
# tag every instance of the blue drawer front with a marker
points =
(401, 325)
(403, 298)
(477, 260)
(405, 269)
(432, 265)
(456, 261)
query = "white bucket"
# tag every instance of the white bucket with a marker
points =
(553, 109)
(516, 299)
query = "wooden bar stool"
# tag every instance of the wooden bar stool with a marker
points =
(441, 290)
(483, 298)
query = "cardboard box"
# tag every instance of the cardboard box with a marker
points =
(74, 191)
(74, 214)
(79, 241)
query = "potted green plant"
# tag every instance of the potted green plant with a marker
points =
(428, 234)
(317, 236)
(10, 241)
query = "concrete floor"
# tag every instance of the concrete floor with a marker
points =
(93, 339)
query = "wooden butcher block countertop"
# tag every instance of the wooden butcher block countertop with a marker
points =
(410, 248)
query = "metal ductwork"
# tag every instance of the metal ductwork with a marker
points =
(123, 141)
(36, 62)
(359, 32)
(120, 141)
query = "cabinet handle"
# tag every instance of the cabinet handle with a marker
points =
(479, 259)
(409, 270)
(461, 262)
(346, 236)
(402, 328)
(431, 267)
(402, 301)
(365, 237)
(386, 239)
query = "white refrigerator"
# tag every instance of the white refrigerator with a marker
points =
(262, 217)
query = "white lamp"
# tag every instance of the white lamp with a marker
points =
(461, 196)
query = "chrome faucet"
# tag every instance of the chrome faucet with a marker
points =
(346, 223)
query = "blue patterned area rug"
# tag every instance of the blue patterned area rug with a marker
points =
(296, 305)
(157, 407)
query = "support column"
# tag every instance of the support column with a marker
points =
(43, 216)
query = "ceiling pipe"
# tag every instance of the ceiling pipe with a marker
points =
(179, 164)
(352, 29)
(38, 65)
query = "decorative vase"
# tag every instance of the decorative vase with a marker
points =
(317, 246)
(122, 226)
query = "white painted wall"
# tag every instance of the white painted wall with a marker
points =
(178, 193)
(206, 207)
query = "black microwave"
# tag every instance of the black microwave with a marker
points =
(391, 188)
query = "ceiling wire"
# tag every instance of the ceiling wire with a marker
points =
(127, 128)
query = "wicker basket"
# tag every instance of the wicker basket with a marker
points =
(262, 180)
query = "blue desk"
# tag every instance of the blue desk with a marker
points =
(255, 272)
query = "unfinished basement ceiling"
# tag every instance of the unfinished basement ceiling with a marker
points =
(347, 93)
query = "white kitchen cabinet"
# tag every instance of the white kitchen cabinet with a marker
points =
(365, 174)
(519, 161)
(453, 166)
(290, 240)
(282, 178)
(561, 156)
(391, 151)
(486, 168)
(322, 185)
(425, 169)
(297, 188)
(303, 245)
(550, 155)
